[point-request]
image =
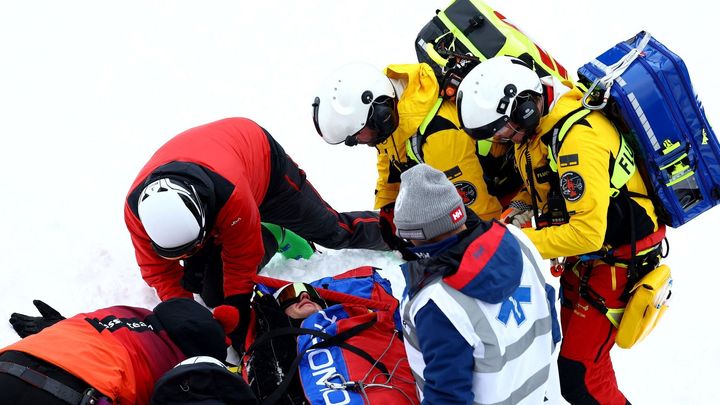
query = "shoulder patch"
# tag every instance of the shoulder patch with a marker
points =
(453, 173)
(569, 160)
(467, 191)
(572, 186)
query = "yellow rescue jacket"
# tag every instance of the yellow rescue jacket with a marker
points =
(449, 149)
(580, 177)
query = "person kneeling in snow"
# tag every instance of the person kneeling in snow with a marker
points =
(478, 318)
(194, 214)
(113, 354)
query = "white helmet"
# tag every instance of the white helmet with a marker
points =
(173, 217)
(352, 97)
(496, 91)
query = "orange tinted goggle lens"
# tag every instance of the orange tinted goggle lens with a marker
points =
(291, 294)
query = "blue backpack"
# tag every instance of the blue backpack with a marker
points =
(645, 89)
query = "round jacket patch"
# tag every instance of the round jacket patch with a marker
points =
(572, 186)
(467, 191)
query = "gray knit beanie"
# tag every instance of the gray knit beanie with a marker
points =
(428, 204)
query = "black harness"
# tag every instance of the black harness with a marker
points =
(55, 388)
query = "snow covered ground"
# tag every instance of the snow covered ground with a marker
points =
(88, 90)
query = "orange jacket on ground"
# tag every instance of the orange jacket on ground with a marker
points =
(120, 351)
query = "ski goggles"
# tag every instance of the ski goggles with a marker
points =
(180, 252)
(291, 294)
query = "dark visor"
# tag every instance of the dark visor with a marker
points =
(484, 132)
(487, 131)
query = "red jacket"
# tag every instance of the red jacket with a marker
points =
(229, 161)
(120, 351)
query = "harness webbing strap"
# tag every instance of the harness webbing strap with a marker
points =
(624, 252)
(329, 340)
(43, 382)
(531, 180)
(596, 300)
(414, 144)
(338, 339)
(624, 163)
(430, 115)
(560, 130)
(623, 168)
(632, 273)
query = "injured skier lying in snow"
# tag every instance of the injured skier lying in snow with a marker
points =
(324, 345)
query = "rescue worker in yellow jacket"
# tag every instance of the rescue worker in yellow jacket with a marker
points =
(400, 113)
(590, 206)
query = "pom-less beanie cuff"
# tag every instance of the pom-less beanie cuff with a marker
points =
(428, 204)
(436, 227)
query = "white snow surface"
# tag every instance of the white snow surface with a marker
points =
(89, 90)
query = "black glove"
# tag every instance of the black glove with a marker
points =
(237, 336)
(26, 325)
(387, 229)
(198, 265)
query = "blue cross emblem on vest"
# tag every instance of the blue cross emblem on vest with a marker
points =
(512, 305)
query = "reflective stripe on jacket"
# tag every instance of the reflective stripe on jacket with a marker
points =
(511, 333)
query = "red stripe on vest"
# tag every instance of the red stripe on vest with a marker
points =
(481, 251)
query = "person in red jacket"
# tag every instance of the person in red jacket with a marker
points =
(112, 354)
(201, 198)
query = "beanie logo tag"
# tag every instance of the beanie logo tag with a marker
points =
(411, 234)
(457, 215)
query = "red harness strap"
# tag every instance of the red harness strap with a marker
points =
(624, 252)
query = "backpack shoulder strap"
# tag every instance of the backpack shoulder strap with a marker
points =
(623, 168)
(557, 133)
(431, 124)
(623, 165)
